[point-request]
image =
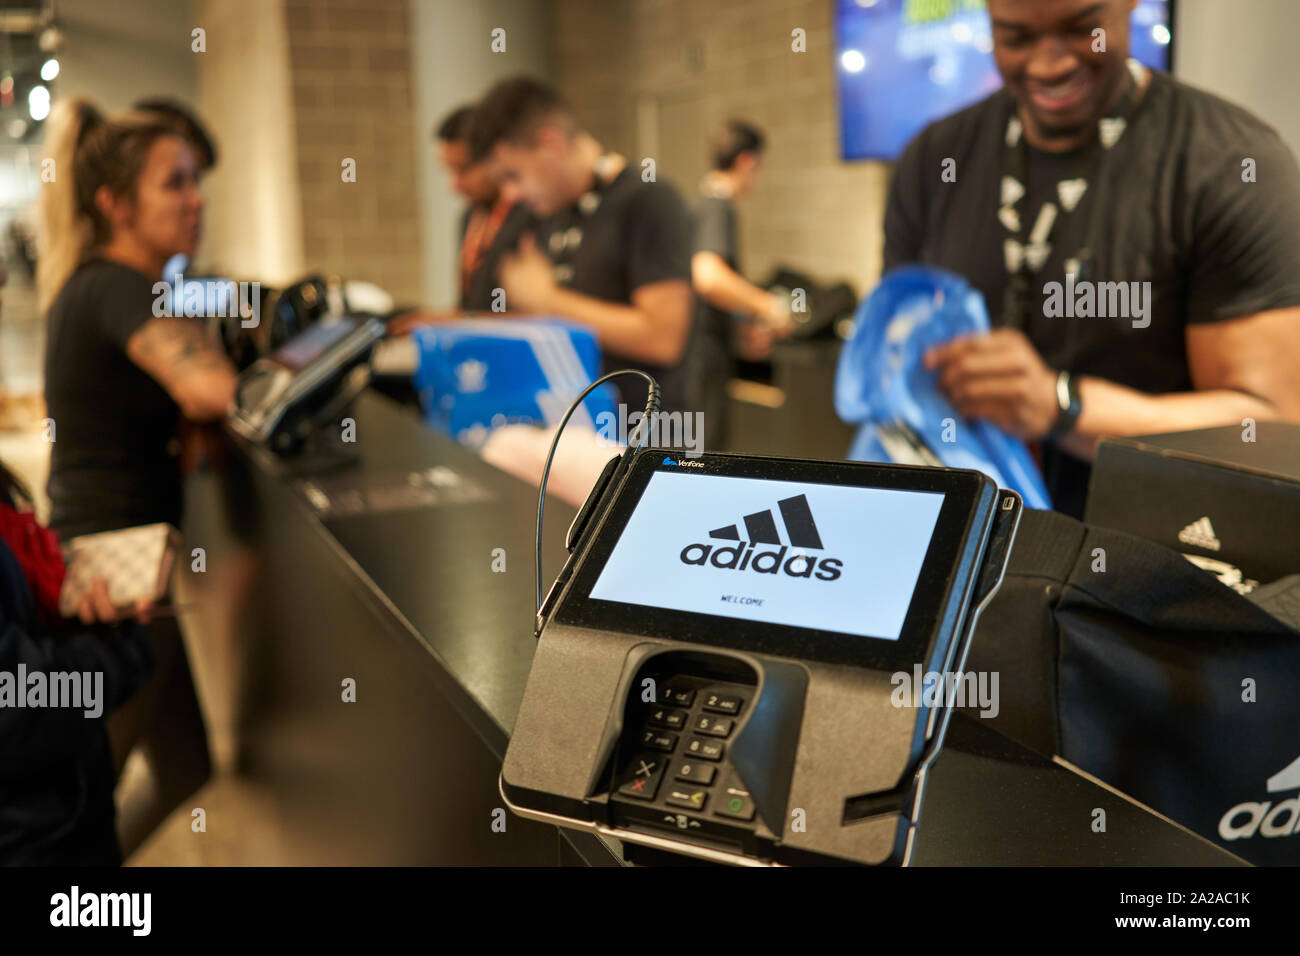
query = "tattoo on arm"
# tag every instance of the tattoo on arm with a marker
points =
(167, 346)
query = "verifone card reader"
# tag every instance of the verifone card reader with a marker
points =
(716, 671)
(278, 397)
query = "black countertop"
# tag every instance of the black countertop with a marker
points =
(989, 802)
(433, 566)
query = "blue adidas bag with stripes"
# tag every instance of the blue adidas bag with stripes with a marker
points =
(480, 374)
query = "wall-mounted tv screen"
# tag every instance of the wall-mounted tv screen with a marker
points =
(904, 63)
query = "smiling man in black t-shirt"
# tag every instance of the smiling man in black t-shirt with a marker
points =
(613, 251)
(1148, 181)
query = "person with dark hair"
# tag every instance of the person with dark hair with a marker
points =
(735, 139)
(56, 766)
(493, 221)
(120, 375)
(187, 123)
(725, 297)
(1089, 172)
(613, 249)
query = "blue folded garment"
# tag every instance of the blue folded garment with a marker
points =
(882, 383)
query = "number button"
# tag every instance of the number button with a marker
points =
(713, 726)
(704, 749)
(656, 740)
(722, 703)
(666, 717)
(695, 772)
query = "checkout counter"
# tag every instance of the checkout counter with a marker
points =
(398, 571)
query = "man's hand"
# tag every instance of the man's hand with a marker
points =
(998, 377)
(528, 279)
(754, 340)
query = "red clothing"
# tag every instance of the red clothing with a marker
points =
(37, 551)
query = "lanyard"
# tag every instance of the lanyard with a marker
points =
(1026, 248)
(479, 234)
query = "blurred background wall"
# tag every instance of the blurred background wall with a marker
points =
(1244, 51)
(293, 88)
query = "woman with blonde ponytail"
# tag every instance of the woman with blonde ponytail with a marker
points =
(122, 199)
(64, 237)
(120, 375)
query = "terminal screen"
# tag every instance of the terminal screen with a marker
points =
(829, 557)
(302, 350)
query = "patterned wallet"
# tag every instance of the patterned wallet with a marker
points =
(135, 563)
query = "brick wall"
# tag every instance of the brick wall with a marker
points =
(651, 77)
(350, 63)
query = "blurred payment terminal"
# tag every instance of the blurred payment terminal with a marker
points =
(714, 670)
(283, 398)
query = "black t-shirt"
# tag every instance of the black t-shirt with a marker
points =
(709, 361)
(114, 459)
(715, 231)
(638, 234)
(486, 278)
(1170, 206)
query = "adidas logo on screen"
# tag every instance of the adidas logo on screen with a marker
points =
(740, 553)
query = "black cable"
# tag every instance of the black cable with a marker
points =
(651, 408)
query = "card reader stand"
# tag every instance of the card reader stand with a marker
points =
(729, 755)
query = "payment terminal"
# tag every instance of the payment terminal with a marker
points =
(744, 658)
(280, 399)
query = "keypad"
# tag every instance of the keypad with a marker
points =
(679, 775)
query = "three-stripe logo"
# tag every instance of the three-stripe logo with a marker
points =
(739, 553)
(761, 525)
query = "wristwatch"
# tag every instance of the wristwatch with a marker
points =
(1070, 404)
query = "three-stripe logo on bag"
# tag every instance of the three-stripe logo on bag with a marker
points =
(1200, 534)
(761, 528)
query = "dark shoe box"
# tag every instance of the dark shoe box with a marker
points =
(1232, 506)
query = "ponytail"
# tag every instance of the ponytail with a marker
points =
(89, 151)
(65, 230)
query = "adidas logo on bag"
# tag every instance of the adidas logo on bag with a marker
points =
(1200, 534)
(1264, 817)
(761, 529)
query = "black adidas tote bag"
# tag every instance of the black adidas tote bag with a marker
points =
(1149, 673)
